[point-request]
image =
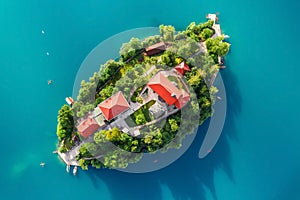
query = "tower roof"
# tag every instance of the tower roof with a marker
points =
(182, 68)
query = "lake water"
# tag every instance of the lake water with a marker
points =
(257, 156)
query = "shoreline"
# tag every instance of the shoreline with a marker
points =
(69, 157)
(65, 157)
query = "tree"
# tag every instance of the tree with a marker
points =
(113, 135)
(87, 91)
(83, 164)
(195, 78)
(148, 139)
(107, 70)
(223, 49)
(206, 33)
(167, 33)
(106, 92)
(180, 35)
(125, 84)
(165, 59)
(88, 149)
(173, 124)
(65, 126)
(151, 40)
(196, 31)
(216, 47)
(129, 49)
(140, 81)
(140, 119)
(62, 149)
(184, 48)
(96, 163)
(100, 137)
(84, 109)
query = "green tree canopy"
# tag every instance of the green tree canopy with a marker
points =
(167, 33)
(65, 125)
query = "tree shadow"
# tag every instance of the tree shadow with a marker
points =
(234, 101)
(188, 177)
(127, 186)
(291, 188)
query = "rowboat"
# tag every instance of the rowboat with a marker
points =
(69, 101)
(75, 170)
(68, 168)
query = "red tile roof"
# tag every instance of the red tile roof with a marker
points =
(113, 106)
(182, 68)
(167, 91)
(183, 99)
(87, 127)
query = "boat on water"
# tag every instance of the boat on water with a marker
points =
(69, 101)
(42, 164)
(50, 82)
(226, 36)
(75, 170)
(55, 152)
(68, 168)
(222, 67)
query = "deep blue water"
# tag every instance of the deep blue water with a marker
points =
(258, 154)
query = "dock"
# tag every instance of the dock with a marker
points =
(218, 32)
(70, 157)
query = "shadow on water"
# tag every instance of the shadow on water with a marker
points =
(234, 101)
(289, 186)
(188, 177)
(290, 190)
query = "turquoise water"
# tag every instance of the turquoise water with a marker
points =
(257, 156)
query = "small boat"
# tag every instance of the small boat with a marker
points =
(75, 170)
(226, 36)
(222, 67)
(68, 168)
(70, 101)
(47, 53)
(218, 97)
(55, 152)
(50, 82)
(42, 164)
(43, 32)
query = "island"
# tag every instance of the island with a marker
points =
(157, 92)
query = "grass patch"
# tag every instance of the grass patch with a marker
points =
(130, 122)
(140, 116)
(136, 93)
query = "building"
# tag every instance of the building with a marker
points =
(157, 110)
(185, 97)
(98, 116)
(182, 68)
(167, 91)
(114, 106)
(155, 49)
(87, 127)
